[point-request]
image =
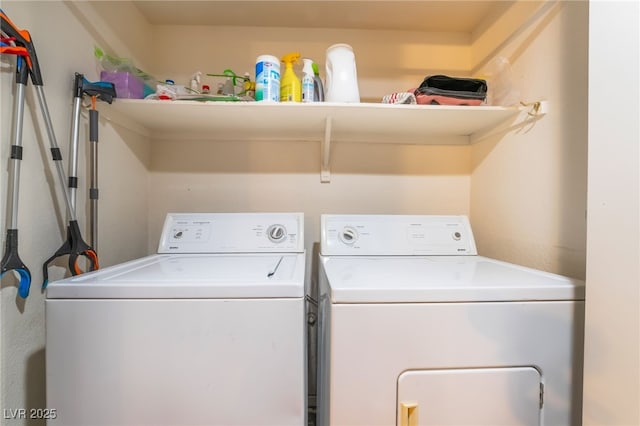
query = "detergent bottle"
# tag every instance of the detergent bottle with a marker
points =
(342, 79)
(290, 86)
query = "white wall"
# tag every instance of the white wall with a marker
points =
(612, 339)
(63, 47)
(529, 186)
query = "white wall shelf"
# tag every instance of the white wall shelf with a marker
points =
(318, 122)
(402, 66)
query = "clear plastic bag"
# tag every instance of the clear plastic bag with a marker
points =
(110, 63)
(502, 90)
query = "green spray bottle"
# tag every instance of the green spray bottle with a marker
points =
(290, 86)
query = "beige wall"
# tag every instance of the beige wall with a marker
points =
(63, 47)
(284, 176)
(529, 186)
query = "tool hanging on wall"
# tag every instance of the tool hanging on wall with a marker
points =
(106, 92)
(74, 246)
(18, 42)
(11, 259)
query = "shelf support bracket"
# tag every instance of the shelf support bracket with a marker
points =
(325, 173)
(530, 113)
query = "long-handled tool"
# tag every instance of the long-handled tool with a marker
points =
(106, 92)
(30, 67)
(11, 260)
(72, 182)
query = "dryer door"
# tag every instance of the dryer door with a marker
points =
(479, 396)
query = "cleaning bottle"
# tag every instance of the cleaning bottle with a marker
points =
(307, 80)
(318, 88)
(290, 87)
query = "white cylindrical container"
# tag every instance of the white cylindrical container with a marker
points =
(267, 78)
(342, 78)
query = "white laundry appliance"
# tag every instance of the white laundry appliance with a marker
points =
(209, 331)
(416, 329)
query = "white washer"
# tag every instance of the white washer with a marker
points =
(210, 331)
(416, 329)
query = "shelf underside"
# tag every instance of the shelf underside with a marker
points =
(367, 123)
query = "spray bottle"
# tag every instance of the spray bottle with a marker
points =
(307, 80)
(318, 88)
(290, 87)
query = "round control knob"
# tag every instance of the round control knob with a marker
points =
(277, 233)
(457, 236)
(348, 235)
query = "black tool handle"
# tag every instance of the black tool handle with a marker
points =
(93, 125)
(104, 90)
(64, 250)
(11, 262)
(80, 248)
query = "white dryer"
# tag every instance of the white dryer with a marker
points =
(209, 331)
(416, 329)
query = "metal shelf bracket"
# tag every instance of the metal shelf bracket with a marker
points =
(530, 113)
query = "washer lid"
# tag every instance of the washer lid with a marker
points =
(187, 276)
(441, 279)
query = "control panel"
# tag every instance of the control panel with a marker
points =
(396, 235)
(232, 233)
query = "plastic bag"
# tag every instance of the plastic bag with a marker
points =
(115, 64)
(502, 88)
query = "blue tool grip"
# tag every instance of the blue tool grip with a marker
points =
(25, 282)
(104, 90)
(11, 262)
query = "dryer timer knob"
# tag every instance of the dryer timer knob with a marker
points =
(277, 233)
(348, 235)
